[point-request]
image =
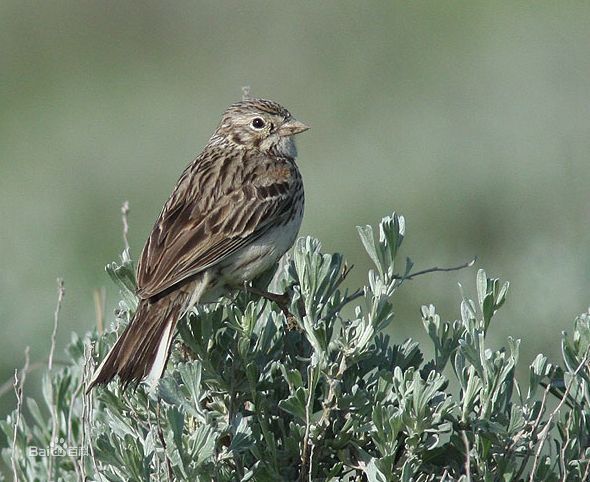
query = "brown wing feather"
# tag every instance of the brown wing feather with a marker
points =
(208, 218)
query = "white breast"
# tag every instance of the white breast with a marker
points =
(261, 254)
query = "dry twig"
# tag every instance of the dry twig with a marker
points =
(9, 384)
(18, 390)
(124, 213)
(53, 408)
(60, 297)
(436, 269)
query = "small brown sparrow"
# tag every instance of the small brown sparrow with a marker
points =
(235, 210)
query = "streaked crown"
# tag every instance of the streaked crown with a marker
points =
(260, 124)
(261, 106)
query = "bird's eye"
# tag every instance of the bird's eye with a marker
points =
(257, 123)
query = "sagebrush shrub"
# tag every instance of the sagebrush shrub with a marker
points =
(254, 391)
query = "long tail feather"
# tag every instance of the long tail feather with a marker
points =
(142, 350)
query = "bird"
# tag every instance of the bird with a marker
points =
(234, 212)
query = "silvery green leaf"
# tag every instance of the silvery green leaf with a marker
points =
(293, 378)
(373, 473)
(502, 293)
(201, 444)
(482, 286)
(123, 274)
(190, 373)
(241, 435)
(368, 240)
(295, 404)
(539, 369)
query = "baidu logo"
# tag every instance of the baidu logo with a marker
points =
(59, 449)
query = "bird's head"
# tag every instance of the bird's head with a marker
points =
(263, 125)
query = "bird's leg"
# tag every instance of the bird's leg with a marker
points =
(282, 301)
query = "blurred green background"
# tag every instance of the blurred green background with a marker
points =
(470, 118)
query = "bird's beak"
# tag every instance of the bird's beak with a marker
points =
(292, 127)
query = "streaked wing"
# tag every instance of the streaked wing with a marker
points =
(212, 215)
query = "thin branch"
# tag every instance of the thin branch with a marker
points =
(163, 442)
(306, 468)
(124, 213)
(467, 456)
(435, 269)
(328, 406)
(330, 401)
(345, 272)
(60, 297)
(548, 425)
(53, 407)
(84, 446)
(54, 428)
(347, 299)
(566, 441)
(99, 307)
(87, 406)
(18, 390)
(8, 385)
(78, 464)
(311, 461)
(538, 420)
(529, 431)
(587, 471)
(152, 432)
